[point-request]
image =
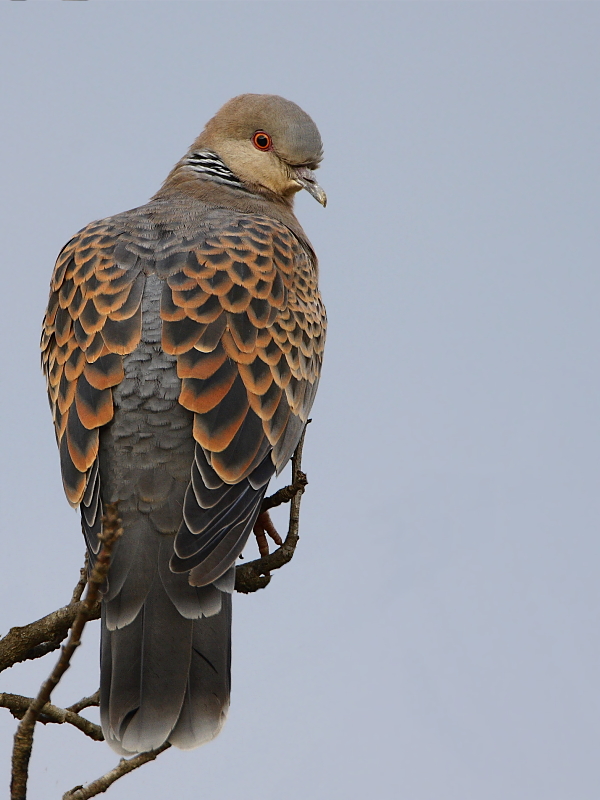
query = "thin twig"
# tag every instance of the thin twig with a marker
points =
(284, 495)
(18, 705)
(83, 578)
(111, 530)
(256, 574)
(123, 767)
(85, 702)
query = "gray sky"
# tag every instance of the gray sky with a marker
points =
(436, 637)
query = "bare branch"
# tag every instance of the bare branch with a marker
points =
(124, 766)
(255, 575)
(40, 637)
(18, 705)
(111, 530)
(43, 636)
(85, 702)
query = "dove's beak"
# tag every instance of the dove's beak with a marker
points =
(306, 178)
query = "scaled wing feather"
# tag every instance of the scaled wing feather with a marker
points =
(242, 313)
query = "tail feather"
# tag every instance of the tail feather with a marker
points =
(207, 696)
(166, 673)
(132, 571)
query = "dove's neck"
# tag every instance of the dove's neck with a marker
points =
(208, 164)
(202, 174)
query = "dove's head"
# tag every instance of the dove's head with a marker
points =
(270, 143)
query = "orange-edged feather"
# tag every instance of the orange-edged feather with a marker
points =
(243, 314)
(93, 319)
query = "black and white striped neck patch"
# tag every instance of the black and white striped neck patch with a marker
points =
(209, 164)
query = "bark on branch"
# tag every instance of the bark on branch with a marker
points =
(40, 637)
(44, 635)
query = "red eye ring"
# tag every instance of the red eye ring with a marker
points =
(262, 141)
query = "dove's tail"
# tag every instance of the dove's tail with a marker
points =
(166, 649)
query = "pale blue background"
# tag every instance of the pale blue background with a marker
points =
(436, 637)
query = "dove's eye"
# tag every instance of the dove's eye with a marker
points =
(261, 140)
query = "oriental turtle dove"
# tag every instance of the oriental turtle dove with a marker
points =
(182, 348)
